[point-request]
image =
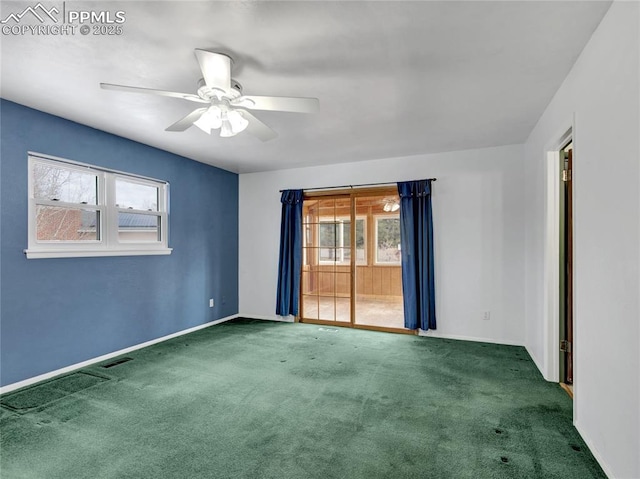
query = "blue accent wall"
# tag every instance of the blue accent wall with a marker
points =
(58, 312)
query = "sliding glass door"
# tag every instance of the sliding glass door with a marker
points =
(351, 274)
(378, 298)
(326, 259)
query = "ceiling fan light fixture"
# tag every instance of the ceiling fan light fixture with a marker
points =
(391, 206)
(226, 131)
(210, 120)
(238, 122)
(232, 123)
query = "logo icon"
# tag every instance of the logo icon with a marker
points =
(38, 11)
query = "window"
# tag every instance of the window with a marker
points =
(81, 210)
(335, 240)
(388, 240)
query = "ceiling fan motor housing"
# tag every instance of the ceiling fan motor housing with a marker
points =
(209, 93)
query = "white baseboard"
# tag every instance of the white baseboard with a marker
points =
(603, 464)
(537, 363)
(89, 362)
(435, 334)
(430, 333)
(282, 319)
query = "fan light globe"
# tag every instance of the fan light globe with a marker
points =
(210, 120)
(391, 206)
(232, 123)
(238, 122)
(226, 131)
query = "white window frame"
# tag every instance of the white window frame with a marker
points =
(108, 243)
(341, 220)
(375, 244)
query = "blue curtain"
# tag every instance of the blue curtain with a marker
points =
(289, 268)
(416, 239)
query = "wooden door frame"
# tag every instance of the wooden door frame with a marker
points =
(565, 267)
(551, 292)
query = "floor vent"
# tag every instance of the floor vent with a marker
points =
(41, 395)
(117, 362)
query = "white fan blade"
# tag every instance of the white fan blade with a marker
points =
(187, 121)
(135, 89)
(257, 128)
(278, 103)
(216, 69)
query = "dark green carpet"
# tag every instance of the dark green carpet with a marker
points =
(255, 399)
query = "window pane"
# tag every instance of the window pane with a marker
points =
(343, 309)
(359, 233)
(327, 308)
(309, 306)
(327, 254)
(61, 184)
(328, 235)
(360, 241)
(138, 228)
(335, 240)
(136, 196)
(66, 224)
(388, 239)
(310, 211)
(328, 238)
(310, 256)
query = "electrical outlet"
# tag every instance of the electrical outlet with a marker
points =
(211, 303)
(486, 315)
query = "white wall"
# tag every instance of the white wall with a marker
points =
(601, 93)
(478, 228)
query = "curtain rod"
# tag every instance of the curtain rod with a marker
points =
(355, 186)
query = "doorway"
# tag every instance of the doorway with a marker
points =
(351, 271)
(566, 269)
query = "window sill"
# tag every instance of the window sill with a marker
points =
(87, 253)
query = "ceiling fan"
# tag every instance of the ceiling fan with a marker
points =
(226, 107)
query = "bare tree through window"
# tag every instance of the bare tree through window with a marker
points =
(68, 222)
(388, 247)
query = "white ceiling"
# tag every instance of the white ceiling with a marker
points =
(393, 78)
